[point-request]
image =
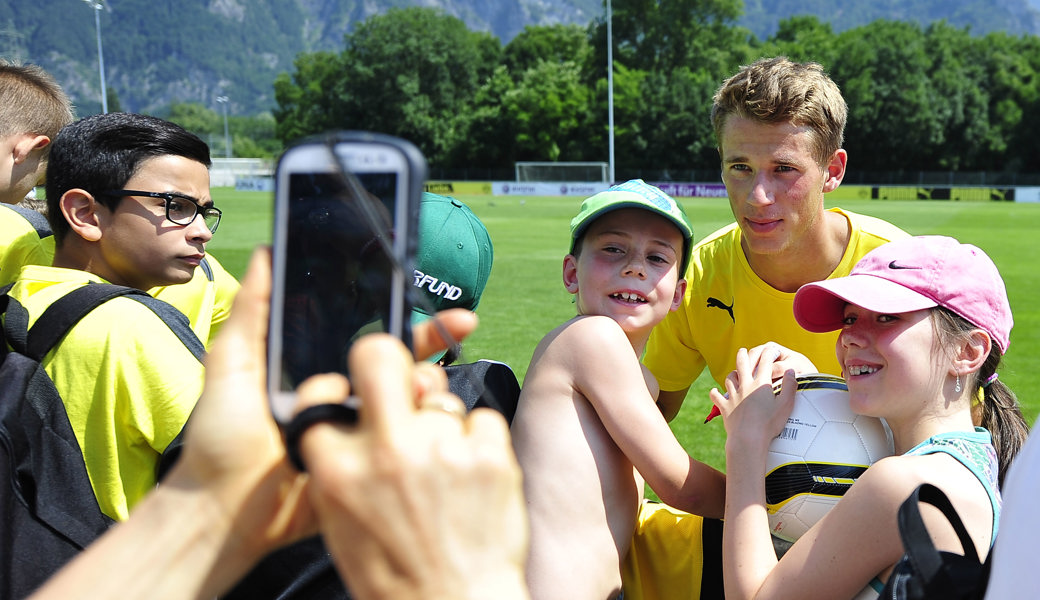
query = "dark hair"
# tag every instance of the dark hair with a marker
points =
(1001, 412)
(102, 152)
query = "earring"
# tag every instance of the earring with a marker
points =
(957, 388)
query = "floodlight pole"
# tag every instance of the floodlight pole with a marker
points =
(227, 138)
(610, 92)
(97, 5)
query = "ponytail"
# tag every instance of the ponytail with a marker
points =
(1001, 414)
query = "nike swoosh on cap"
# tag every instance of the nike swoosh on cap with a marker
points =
(893, 265)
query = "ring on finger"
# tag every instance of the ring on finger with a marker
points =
(446, 404)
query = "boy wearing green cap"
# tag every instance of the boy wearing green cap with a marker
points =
(587, 430)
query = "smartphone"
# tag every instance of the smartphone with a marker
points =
(345, 223)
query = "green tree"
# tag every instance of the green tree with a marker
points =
(884, 75)
(960, 98)
(1012, 65)
(195, 118)
(662, 121)
(669, 57)
(661, 35)
(307, 103)
(488, 131)
(553, 43)
(548, 108)
(113, 100)
(804, 38)
(409, 72)
(251, 136)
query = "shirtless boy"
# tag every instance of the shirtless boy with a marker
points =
(587, 430)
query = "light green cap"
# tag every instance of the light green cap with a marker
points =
(634, 193)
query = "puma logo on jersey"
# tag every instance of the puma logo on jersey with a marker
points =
(716, 303)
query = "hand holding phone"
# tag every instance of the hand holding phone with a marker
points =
(346, 213)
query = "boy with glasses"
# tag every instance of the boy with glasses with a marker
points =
(33, 108)
(129, 204)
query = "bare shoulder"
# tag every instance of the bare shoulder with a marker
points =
(891, 480)
(590, 337)
(594, 326)
(576, 346)
(592, 356)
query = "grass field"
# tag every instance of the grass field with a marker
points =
(525, 298)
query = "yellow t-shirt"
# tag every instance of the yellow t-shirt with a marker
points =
(127, 381)
(728, 307)
(206, 299)
(23, 242)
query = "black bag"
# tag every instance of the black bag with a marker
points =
(485, 383)
(49, 509)
(925, 572)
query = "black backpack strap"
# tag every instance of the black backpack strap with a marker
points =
(176, 321)
(927, 572)
(37, 220)
(65, 312)
(181, 327)
(12, 332)
(917, 541)
(61, 315)
(206, 268)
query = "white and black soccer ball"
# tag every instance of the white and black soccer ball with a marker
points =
(820, 453)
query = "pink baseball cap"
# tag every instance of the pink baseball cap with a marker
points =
(913, 274)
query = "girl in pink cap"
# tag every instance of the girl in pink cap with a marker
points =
(924, 323)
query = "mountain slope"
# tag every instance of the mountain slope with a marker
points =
(982, 16)
(161, 51)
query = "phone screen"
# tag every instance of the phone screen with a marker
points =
(339, 260)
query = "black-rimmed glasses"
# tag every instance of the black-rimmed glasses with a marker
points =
(181, 210)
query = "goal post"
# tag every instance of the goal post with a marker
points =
(561, 171)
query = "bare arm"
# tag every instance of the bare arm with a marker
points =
(837, 557)
(609, 376)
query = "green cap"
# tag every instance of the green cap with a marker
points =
(634, 193)
(453, 262)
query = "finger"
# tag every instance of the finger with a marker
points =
(319, 410)
(429, 379)
(321, 389)
(741, 363)
(489, 438)
(731, 381)
(767, 355)
(443, 405)
(381, 373)
(789, 386)
(717, 401)
(488, 427)
(429, 336)
(755, 353)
